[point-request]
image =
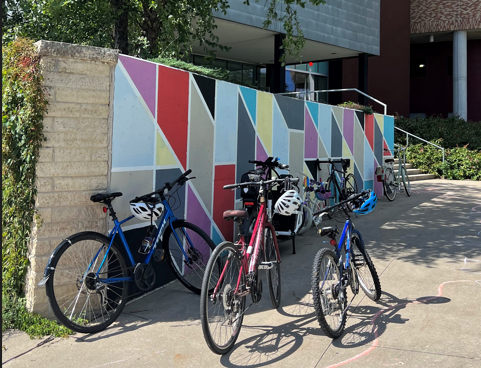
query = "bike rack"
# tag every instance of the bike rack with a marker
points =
(415, 136)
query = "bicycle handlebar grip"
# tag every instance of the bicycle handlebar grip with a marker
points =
(230, 186)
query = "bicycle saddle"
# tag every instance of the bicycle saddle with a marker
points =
(389, 160)
(329, 231)
(104, 197)
(235, 215)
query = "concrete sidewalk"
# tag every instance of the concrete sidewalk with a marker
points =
(426, 249)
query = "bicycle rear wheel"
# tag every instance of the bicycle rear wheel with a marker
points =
(274, 274)
(366, 272)
(389, 185)
(198, 247)
(406, 181)
(330, 301)
(221, 315)
(77, 295)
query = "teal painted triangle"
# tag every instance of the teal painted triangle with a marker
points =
(216, 237)
(314, 110)
(250, 98)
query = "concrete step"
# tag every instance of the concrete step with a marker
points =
(408, 166)
(411, 171)
(421, 177)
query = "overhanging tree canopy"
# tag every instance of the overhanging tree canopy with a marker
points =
(145, 28)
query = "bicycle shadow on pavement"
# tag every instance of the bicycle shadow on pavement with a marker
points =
(271, 344)
(173, 303)
(372, 321)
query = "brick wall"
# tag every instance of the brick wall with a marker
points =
(74, 160)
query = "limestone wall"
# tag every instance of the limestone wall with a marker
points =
(74, 161)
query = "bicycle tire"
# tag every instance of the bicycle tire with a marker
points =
(317, 206)
(406, 181)
(199, 255)
(226, 312)
(306, 219)
(389, 188)
(350, 185)
(366, 272)
(325, 263)
(93, 306)
(333, 199)
(274, 274)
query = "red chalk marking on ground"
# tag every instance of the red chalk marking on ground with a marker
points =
(373, 321)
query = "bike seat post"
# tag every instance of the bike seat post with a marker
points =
(111, 210)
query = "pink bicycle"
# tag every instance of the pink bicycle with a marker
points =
(225, 288)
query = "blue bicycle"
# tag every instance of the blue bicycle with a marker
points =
(88, 275)
(331, 276)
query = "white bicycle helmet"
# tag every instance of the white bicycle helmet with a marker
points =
(288, 203)
(146, 212)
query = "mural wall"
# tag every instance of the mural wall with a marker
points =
(167, 121)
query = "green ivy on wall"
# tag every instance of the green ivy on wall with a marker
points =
(23, 107)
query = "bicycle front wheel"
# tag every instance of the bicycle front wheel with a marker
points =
(366, 272)
(222, 313)
(389, 185)
(273, 274)
(306, 219)
(333, 199)
(351, 188)
(76, 290)
(198, 247)
(330, 301)
(406, 181)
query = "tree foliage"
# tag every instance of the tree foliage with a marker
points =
(145, 28)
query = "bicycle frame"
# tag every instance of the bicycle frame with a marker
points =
(167, 218)
(251, 254)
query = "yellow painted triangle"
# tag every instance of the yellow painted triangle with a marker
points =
(346, 153)
(380, 121)
(163, 156)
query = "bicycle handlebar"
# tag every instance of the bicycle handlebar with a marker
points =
(270, 162)
(350, 199)
(255, 183)
(167, 186)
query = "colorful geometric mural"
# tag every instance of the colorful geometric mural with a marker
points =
(167, 121)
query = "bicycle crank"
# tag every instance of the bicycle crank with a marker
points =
(144, 276)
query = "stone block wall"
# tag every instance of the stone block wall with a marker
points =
(74, 160)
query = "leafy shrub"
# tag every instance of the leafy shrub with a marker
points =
(23, 107)
(356, 106)
(460, 162)
(217, 73)
(452, 131)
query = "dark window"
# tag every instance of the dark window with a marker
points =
(450, 65)
(418, 67)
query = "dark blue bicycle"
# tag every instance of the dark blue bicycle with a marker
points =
(88, 275)
(331, 276)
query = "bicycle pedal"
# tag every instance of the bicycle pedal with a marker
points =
(266, 265)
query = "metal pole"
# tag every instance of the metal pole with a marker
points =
(407, 139)
(443, 163)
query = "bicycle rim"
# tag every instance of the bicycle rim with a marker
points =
(406, 182)
(196, 245)
(351, 188)
(222, 315)
(326, 293)
(274, 274)
(79, 299)
(389, 186)
(333, 199)
(366, 272)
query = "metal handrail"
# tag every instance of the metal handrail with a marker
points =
(415, 136)
(339, 90)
